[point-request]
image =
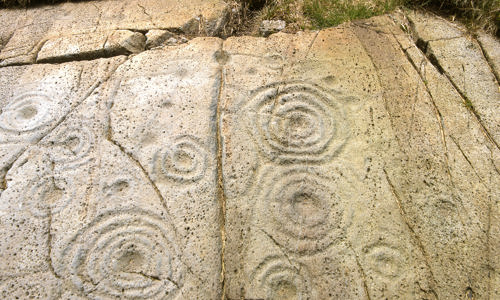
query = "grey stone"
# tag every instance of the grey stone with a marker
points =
(271, 26)
(157, 37)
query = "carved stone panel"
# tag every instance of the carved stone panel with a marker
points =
(309, 212)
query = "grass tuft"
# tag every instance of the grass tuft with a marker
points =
(326, 13)
(476, 14)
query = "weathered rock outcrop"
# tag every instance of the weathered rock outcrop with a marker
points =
(72, 31)
(357, 162)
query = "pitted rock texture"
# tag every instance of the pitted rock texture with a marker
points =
(357, 162)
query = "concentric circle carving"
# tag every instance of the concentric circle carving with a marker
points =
(184, 161)
(304, 211)
(49, 194)
(72, 146)
(26, 113)
(124, 255)
(296, 122)
(280, 280)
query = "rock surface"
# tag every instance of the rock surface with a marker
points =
(62, 32)
(357, 162)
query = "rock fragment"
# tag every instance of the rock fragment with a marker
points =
(271, 26)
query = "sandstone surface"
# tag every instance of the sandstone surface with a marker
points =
(356, 162)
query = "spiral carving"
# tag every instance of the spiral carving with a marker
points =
(49, 194)
(71, 148)
(279, 279)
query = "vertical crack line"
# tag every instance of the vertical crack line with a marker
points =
(467, 159)
(488, 60)
(8, 39)
(220, 176)
(311, 45)
(490, 205)
(109, 137)
(379, 80)
(360, 267)
(413, 233)
(99, 17)
(146, 13)
(465, 100)
(38, 48)
(440, 121)
(285, 254)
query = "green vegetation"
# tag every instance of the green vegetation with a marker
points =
(477, 14)
(326, 13)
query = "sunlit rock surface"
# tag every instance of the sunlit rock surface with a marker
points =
(357, 162)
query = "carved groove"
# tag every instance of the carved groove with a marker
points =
(72, 147)
(26, 113)
(48, 195)
(280, 280)
(303, 212)
(296, 122)
(124, 255)
(184, 161)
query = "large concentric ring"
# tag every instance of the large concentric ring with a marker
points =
(296, 122)
(26, 113)
(124, 255)
(304, 213)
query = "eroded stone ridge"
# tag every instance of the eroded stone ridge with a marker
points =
(348, 163)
